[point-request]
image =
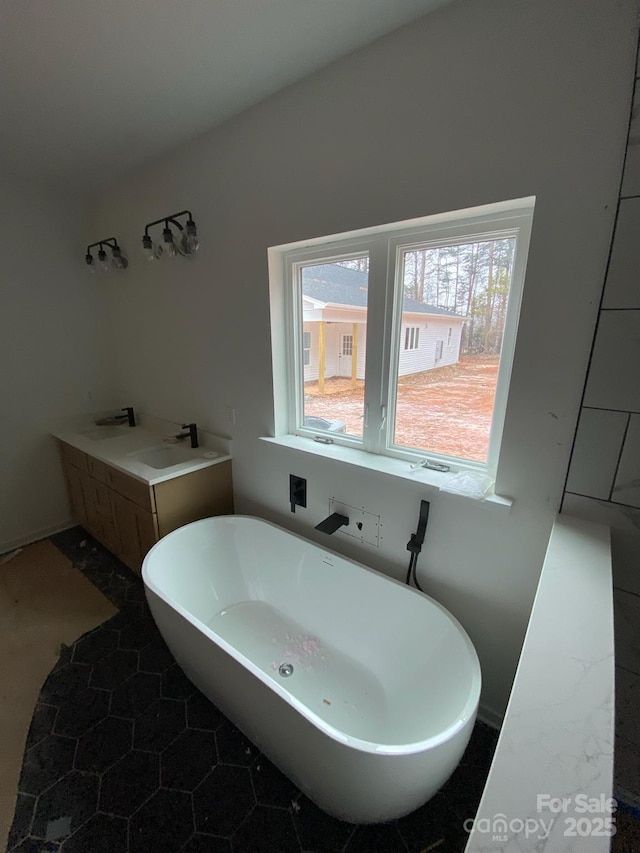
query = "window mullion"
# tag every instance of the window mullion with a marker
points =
(377, 368)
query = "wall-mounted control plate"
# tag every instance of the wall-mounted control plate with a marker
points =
(363, 525)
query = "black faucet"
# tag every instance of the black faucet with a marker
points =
(131, 418)
(192, 434)
(332, 523)
(297, 492)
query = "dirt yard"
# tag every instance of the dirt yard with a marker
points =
(446, 410)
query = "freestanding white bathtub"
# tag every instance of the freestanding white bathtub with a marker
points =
(363, 691)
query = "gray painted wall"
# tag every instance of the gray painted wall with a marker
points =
(481, 101)
(478, 102)
(53, 349)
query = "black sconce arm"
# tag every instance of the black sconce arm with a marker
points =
(108, 241)
(119, 258)
(167, 219)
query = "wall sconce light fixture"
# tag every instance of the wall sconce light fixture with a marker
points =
(184, 243)
(118, 259)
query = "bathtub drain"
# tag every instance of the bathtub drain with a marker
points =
(285, 670)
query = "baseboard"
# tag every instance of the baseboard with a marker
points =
(35, 536)
(490, 717)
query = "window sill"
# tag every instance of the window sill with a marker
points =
(384, 465)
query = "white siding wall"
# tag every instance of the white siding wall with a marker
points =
(424, 358)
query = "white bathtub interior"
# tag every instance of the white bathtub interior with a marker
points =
(381, 669)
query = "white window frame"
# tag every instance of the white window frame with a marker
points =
(385, 246)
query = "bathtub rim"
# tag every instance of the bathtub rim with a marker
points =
(470, 707)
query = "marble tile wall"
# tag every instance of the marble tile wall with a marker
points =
(603, 482)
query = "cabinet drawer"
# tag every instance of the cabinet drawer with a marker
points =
(97, 469)
(130, 488)
(72, 456)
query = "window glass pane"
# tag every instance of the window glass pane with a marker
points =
(334, 316)
(456, 297)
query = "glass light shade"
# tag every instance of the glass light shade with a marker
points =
(169, 247)
(119, 260)
(103, 260)
(190, 240)
(148, 249)
(91, 265)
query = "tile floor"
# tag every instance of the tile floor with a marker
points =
(125, 755)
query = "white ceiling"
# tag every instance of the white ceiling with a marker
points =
(91, 88)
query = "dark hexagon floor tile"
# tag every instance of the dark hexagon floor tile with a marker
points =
(130, 782)
(64, 682)
(135, 695)
(463, 791)
(164, 822)
(176, 685)
(223, 800)
(233, 746)
(64, 657)
(41, 723)
(102, 833)
(206, 844)
(138, 634)
(127, 615)
(135, 592)
(72, 542)
(46, 762)
(187, 761)
(319, 831)
(155, 657)
(115, 592)
(104, 744)
(271, 786)
(267, 830)
(159, 725)
(481, 747)
(22, 817)
(35, 845)
(75, 796)
(93, 647)
(432, 825)
(203, 714)
(376, 837)
(83, 711)
(114, 669)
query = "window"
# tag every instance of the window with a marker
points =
(411, 337)
(373, 381)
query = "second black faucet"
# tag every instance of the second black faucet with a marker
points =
(192, 434)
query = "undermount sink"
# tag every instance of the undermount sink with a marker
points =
(99, 433)
(163, 457)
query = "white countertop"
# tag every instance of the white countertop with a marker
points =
(117, 450)
(550, 783)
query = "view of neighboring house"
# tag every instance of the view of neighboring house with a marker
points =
(334, 310)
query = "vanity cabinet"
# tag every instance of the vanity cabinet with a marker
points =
(127, 515)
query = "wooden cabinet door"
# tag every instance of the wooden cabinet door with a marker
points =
(136, 531)
(100, 515)
(76, 487)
